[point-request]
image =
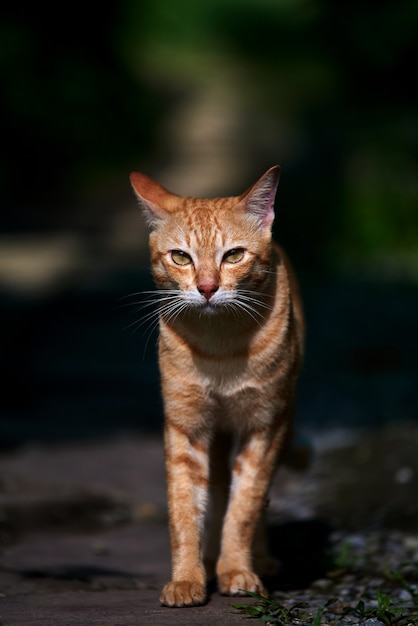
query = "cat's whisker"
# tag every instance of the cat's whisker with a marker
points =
(235, 310)
(144, 301)
(176, 312)
(250, 299)
(136, 293)
(169, 317)
(144, 320)
(253, 297)
(252, 292)
(149, 335)
(153, 316)
(248, 310)
(149, 330)
(152, 297)
(165, 301)
(274, 272)
(140, 304)
(249, 307)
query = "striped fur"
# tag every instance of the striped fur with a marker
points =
(231, 341)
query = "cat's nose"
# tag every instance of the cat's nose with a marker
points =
(207, 289)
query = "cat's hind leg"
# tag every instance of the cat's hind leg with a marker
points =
(251, 475)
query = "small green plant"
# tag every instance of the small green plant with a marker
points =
(386, 611)
(398, 576)
(317, 618)
(272, 612)
(344, 559)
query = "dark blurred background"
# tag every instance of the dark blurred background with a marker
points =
(204, 97)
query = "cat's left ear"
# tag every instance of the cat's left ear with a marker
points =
(258, 200)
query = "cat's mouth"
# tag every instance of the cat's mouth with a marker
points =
(213, 306)
(217, 303)
(210, 307)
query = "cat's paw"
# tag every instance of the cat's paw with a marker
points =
(238, 582)
(183, 593)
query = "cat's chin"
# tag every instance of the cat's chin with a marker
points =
(209, 308)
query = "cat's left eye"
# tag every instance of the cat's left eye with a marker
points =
(181, 258)
(234, 256)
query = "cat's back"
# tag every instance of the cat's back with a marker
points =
(295, 299)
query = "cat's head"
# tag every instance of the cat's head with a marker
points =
(210, 254)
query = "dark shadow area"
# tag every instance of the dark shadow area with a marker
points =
(72, 112)
(79, 365)
(303, 551)
(81, 574)
(302, 548)
(71, 369)
(84, 101)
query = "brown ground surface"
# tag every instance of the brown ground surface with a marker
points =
(84, 537)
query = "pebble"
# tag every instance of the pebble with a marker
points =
(322, 584)
(337, 595)
(405, 595)
(410, 542)
(404, 475)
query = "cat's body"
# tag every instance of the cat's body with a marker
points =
(231, 335)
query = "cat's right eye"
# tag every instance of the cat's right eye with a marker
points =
(181, 258)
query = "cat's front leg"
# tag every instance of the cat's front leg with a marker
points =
(251, 475)
(187, 484)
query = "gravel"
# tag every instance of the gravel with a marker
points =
(373, 581)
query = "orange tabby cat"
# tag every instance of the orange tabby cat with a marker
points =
(231, 335)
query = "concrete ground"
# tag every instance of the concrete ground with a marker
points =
(84, 535)
(84, 539)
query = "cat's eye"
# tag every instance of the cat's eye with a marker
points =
(181, 258)
(234, 256)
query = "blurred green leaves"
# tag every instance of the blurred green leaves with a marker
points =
(86, 95)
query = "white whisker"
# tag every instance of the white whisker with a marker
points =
(250, 299)
(164, 302)
(169, 304)
(248, 310)
(267, 271)
(150, 317)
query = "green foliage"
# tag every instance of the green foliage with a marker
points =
(317, 618)
(386, 611)
(344, 559)
(271, 611)
(395, 575)
(331, 80)
(336, 75)
(380, 607)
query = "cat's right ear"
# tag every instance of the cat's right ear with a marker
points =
(150, 196)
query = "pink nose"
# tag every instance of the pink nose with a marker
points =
(207, 289)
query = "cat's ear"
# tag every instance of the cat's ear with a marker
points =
(151, 196)
(258, 200)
